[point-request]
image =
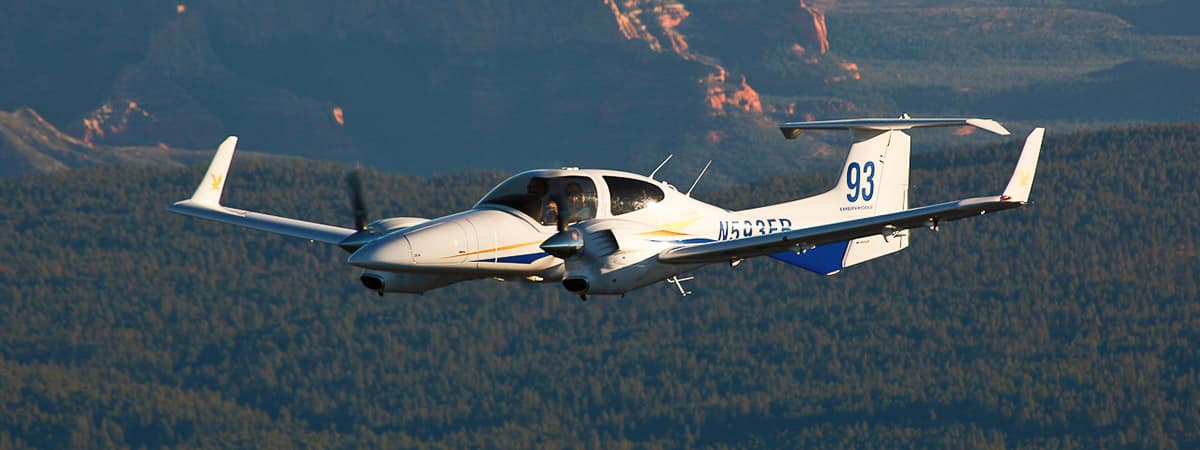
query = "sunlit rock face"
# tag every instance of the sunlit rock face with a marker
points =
(421, 86)
(182, 95)
(735, 34)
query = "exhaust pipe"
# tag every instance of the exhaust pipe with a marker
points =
(372, 282)
(576, 285)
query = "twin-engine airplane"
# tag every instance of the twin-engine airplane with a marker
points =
(610, 232)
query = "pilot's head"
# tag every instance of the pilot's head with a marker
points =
(574, 193)
(537, 186)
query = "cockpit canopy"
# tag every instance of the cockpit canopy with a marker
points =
(539, 195)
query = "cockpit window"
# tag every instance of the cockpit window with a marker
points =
(629, 195)
(540, 197)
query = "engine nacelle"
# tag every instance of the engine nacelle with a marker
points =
(615, 257)
(405, 283)
(618, 273)
(385, 226)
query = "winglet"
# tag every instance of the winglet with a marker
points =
(1022, 178)
(988, 125)
(209, 191)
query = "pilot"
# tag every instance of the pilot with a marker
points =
(577, 207)
(538, 202)
(549, 213)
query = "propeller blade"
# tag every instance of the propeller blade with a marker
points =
(354, 182)
(560, 219)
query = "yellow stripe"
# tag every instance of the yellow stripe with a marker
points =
(679, 225)
(497, 249)
(665, 233)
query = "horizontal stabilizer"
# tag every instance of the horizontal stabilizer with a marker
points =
(792, 130)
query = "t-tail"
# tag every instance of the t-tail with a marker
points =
(873, 181)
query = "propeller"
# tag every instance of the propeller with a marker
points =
(362, 234)
(564, 244)
(567, 241)
(354, 183)
(581, 264)
(560, 216)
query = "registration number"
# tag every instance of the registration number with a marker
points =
(737, 229)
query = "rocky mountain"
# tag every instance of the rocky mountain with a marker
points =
(30, 144)
(406, 85)
(505, 84)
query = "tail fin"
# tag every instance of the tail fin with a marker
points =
(873, 181)
(889, 158)
(874, 178)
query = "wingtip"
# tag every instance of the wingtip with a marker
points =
(989, 125)
(210, 188)
(1021, 182)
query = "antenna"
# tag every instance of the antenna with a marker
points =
(694, 183)
(660, 165)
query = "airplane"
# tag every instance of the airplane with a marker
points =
(608, 232)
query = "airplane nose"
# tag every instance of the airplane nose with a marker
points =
(392, 252)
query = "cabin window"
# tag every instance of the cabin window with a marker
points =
(540, 197)
(629, 195)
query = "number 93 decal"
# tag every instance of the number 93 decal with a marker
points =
(861, 181)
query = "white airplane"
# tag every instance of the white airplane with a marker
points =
(610, 232)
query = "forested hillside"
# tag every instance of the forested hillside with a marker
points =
(1072, 323)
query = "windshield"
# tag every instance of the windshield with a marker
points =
(540, 197)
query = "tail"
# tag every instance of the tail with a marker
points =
(873, 181)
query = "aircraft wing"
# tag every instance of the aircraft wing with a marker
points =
(206, 204)
(792, 130)
(1015, 194)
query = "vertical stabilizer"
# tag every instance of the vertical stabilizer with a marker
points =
(893, 163)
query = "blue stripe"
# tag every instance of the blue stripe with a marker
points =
(517, 259)
(824, 259)
(685, 241)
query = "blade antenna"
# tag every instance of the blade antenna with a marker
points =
(660, 166)
(698, 177)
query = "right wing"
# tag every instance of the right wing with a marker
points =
(206, 204)
(792, 130)
(1015, 194)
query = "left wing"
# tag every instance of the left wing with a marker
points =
(206, 204)
(1015, 194)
